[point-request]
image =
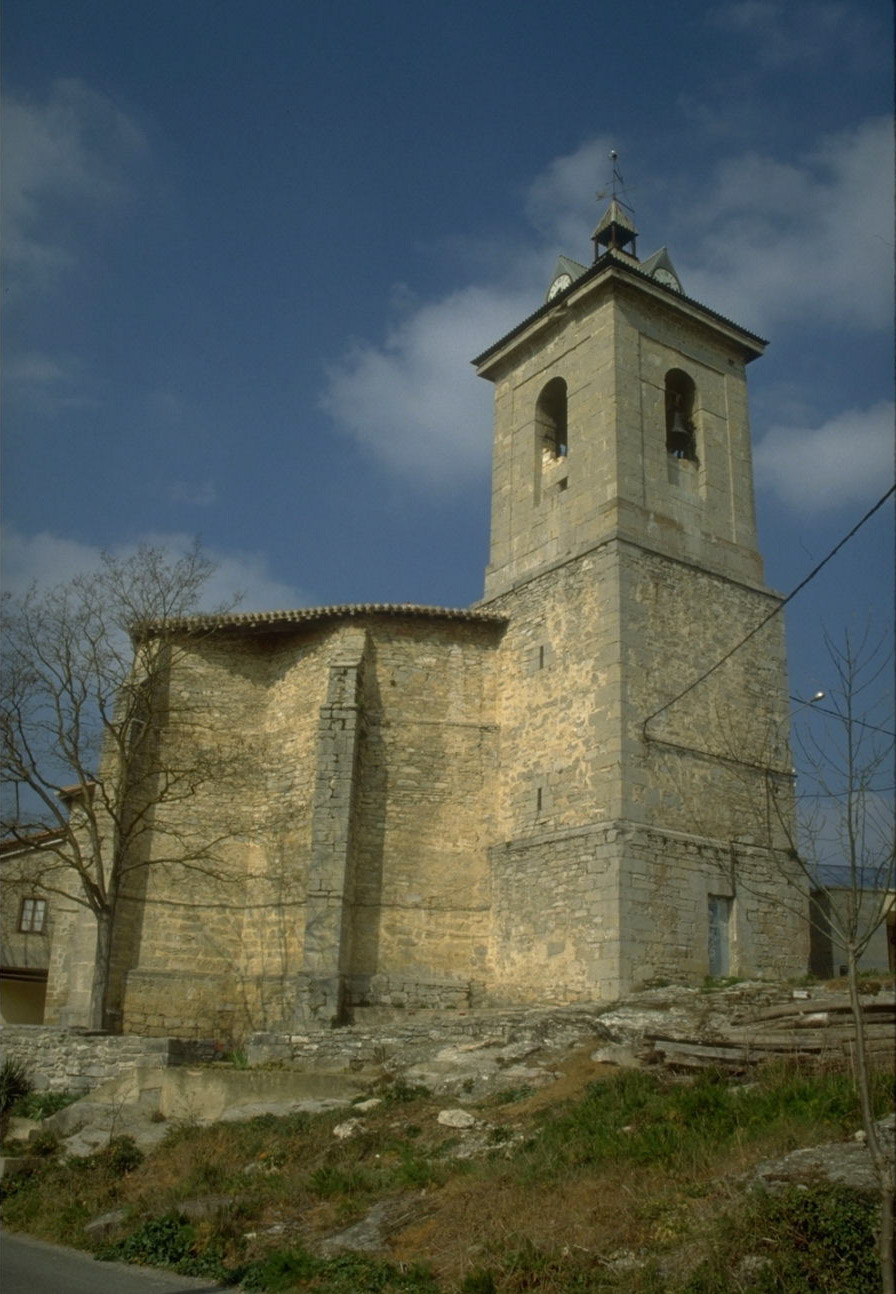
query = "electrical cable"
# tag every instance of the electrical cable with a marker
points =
(762, 623)
(821, 709)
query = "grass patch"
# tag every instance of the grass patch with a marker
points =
(296, 1269)
(170, 1242)
(14, 1084)
(399, 1092)
(821, 1239)
(40, 1105)
(642, 1118)
(634, 1185)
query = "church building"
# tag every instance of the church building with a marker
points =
(556, 795)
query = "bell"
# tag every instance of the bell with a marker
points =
(678, 438)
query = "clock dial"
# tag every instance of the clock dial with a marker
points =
(667, 278)
(560, 282)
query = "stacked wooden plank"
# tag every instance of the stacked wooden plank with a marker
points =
(815, 1030)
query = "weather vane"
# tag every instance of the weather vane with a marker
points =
(616, 183)
(617, 177)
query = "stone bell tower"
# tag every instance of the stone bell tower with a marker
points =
(624, 552)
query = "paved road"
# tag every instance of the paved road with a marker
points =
(34, 1267)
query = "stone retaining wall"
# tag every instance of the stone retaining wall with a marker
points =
(63, 1060)
(384, 1040)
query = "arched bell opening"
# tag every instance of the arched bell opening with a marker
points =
(550, 420)
(681, 398)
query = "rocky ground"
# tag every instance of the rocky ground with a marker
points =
(471, 1057)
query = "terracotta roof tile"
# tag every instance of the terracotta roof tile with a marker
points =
(284, 620)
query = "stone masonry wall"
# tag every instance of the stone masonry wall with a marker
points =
(224, 948)
(701, 763)
(426, 805)
(57, 1060)
(555, 920)
(221, 944)
(667, 880)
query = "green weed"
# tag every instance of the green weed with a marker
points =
(401, 1093)
(479, 1282)
(414, 1170)
(331, 1180)
(820, 1239)
(14, 1084)
(347, 1274)
(712, 983)
(281, 1270)
(40, 1105)
(511, 1095)
(169, 1241)
(639, 1118)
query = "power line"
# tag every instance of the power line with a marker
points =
(813, 706)
(839, 795)
(780, 607)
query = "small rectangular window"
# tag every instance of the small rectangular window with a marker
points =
(719, 935)
(539, 656)
(33, 916)
(539, 799)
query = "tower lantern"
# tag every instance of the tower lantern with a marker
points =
(615, 231)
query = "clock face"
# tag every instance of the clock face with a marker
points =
(560, 282)
(667, 278)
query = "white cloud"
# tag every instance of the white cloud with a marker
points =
(49, 384)
(47, 559)
(414, 401)
(195, 494)
(808, 242)
(785, 32)
(69, 152)
(847, 460)
(561, 201)
(812, 240)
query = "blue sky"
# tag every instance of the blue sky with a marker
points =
(250, 252)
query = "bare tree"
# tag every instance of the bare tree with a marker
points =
(86, 725)
(841, 844)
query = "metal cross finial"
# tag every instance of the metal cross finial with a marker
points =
(617, 178)
(617, 183)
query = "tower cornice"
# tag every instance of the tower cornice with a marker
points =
(612, 269)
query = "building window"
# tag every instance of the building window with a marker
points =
(550, 419)
(681, 397)
(719, 935)
(33, 916)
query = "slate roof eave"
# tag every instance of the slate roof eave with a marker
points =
(605, 262)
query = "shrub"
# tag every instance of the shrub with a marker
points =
(280, 1270)
(291, 1269)
(401, 1092)
(330, 1180)
(14, 1084)
(40, 1105)
(45, 1145)
(121, 1156)
(820, 1239)
(169, 1241)
(479, 1282)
